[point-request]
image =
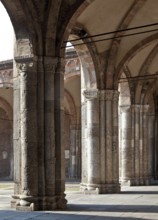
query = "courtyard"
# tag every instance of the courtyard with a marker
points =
(131, 204)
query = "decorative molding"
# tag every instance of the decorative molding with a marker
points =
(125, 108)
(91, 94)
(109, 95)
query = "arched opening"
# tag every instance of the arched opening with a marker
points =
(6, 96)
(79, 77)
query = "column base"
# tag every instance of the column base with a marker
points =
(30, 203)
(15, 201)
(100, 188)
(110, 188)
(140, 182)
(125, 182)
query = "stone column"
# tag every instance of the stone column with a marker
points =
(145, 161)
(73, 151)
(16, 135)
(28, 128)
(115, 145)
(84, 145)
(140, 145)
(75, 173)
(125, 148)
(109, 141)
(156, 147)
(150, 153)
(40, 131)
(136, 112)
(92, 142)
(59, 134)
(50, 65)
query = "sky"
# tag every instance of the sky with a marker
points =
(6, 35)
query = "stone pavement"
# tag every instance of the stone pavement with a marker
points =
(131, 204)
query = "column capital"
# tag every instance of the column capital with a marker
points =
(141, 108)
(144, 108)
(135, 108)
(125, 108)
(109, 95)
(50, 63)
(91, 94)
(25, 63)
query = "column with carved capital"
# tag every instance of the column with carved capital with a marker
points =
(59, 134)
(125, 147)
(50, 64)
(28, 130)
(16, 135)
(109, 141)
(92, 141)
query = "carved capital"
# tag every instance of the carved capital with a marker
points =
(144, 108)
(109, 95)
(50, 64)
(24, 64)
(91, 94)
(125, 109)
(136, 108)
(115, 96)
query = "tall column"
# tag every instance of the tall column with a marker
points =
(28, 128)
(125, 148)
(156, 147)
(145, 158)
(92, 142)
(141, 175)
(50, 64)
(136, 112)
(109, 141)
(73, 151)
(59, 134)
(40, 131)
(75, 137)
(16, 136)
(115, 145)
(151, 136)
(84, 145)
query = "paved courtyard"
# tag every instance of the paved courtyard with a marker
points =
(132, 203)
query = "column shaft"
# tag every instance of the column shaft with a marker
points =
(109, 141)
(151, 136)
(29, 164)
(93, 151)
(59, 135)
(125, 150)
(49, 140)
